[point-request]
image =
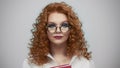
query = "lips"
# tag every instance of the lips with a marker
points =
(58, 37)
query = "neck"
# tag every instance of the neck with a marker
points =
(59, 53)
(58, 49)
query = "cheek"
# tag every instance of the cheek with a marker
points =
(67, 35)
(49, 35)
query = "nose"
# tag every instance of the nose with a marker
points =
(58, 29)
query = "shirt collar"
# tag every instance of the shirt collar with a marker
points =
(50, 56)
(72, 60)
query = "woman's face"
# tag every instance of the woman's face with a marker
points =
(57, 28)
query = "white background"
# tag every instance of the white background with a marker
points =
(100, 18)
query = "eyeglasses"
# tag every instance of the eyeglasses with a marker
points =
(52, 28)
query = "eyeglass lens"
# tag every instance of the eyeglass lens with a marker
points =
(63, 28)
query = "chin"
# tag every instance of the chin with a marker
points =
(58, 42)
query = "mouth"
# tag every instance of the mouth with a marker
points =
(58, 37)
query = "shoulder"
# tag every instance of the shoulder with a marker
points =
(28, 64)
(83, 62)
(89, 62)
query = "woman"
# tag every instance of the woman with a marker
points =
(58, 40)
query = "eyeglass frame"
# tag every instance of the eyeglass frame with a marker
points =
(59, 28)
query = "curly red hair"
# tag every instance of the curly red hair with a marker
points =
(40, 42)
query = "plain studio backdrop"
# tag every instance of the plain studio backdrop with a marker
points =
(100, 19)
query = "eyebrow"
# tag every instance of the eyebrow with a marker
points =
(55, 23)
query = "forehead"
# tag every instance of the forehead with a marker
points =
(57, 18)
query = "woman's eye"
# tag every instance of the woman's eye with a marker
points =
(65, 25)
(51, 25)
